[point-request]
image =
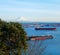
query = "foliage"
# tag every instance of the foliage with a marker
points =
(12, 38)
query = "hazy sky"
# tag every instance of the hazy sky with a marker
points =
(30, 10)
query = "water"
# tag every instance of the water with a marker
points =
(53, 45)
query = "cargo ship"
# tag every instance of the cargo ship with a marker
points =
(40, 37)
(45, 28)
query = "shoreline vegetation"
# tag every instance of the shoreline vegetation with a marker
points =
(13, 41)
(12, 38)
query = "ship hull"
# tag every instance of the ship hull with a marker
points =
(45, 28)
(40, 37)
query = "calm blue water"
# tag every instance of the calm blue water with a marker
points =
(53, 45)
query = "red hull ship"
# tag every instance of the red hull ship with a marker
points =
(45, 28)
(40, 37)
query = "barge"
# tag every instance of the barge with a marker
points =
(45, 28)
(40, 37)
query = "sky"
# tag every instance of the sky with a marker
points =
(30, 10)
